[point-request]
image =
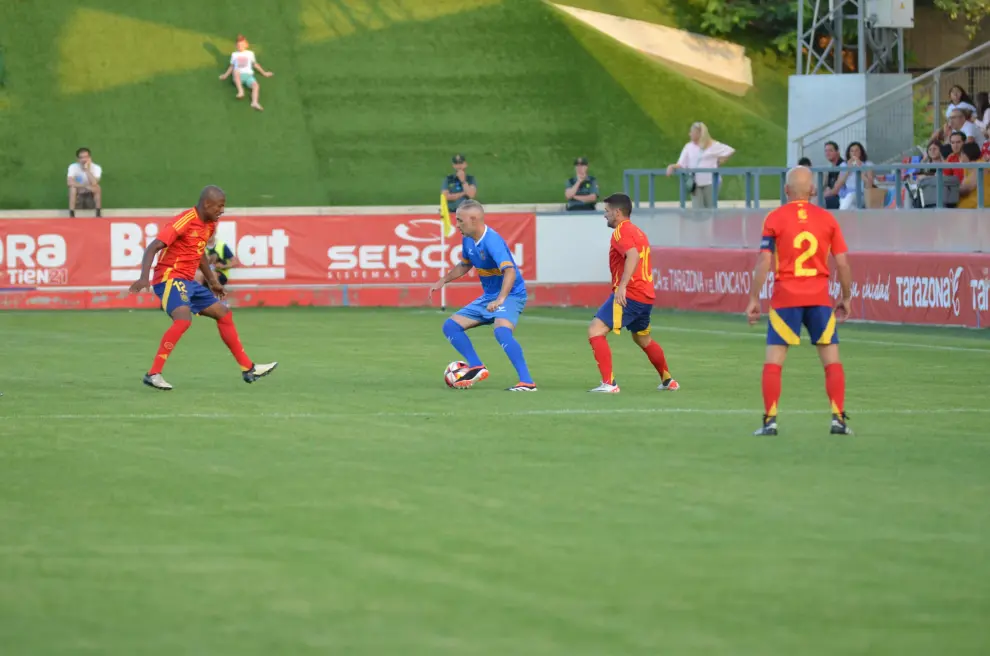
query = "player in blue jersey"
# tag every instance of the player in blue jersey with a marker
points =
(501, 302)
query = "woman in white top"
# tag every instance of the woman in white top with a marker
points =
(855, 157)
(959, 99)
(701, 152)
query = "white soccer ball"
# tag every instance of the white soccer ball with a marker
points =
(453, 372)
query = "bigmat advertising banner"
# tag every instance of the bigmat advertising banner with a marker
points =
(73, 263)
(916, 288)
(273, 251)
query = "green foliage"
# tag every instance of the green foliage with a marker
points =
(973, 11)
(746, 20)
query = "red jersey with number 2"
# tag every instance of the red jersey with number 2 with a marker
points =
(800, 237)
(627, 237)
(185, 239)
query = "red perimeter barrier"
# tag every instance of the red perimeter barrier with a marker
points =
(298, 260)
(915, 288)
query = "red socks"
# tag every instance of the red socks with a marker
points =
(228, 333)
(655, 353)
(835, 387)
(169, 340)
(771, 388)
(603, 356)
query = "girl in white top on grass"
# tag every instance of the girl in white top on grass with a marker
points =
(243, 64)
(701, 152)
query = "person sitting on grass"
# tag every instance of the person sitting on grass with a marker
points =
(243, 64)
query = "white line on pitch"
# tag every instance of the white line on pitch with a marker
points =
(476, 413)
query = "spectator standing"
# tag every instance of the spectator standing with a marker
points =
(967, 190)
(582, 190)
(831, 187)
(983, 109)
(855, 157)
(701, 152)
(959, 99)
(84, 183)
(459, 186)
(243, 64)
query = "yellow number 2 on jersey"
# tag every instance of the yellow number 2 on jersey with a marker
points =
(809, 251)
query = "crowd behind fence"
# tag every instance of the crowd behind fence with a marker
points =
(902, 184)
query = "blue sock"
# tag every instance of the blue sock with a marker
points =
(512, 349)
(460, 341)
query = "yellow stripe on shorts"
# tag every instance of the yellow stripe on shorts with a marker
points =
(616, 317)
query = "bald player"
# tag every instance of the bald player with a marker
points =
(797, 240)
(503, 297)
(181, 250)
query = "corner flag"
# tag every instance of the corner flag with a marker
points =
(445, 215)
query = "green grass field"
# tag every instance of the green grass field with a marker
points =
(352, 504)
(369, 101)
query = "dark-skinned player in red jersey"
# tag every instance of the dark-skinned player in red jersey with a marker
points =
(797, 240)
(182, 247)
(631, 302)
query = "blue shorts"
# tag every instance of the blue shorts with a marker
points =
(478, 310)
(785, 325)
(178, 293)
(634, 317)
(247, 79)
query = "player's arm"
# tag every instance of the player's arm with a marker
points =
(149, 256)
(763, 262)
(841, 254)
(226, 73)
(458, 271)
(632, 263)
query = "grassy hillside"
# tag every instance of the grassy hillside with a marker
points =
(370, 99)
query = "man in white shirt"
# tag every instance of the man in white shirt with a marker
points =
(84, 183)
(243, 64)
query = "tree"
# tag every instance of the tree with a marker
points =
(776, 20)
(974, 11)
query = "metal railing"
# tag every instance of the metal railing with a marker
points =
(903, 176)
(924, 98)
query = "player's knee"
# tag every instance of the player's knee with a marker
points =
(451, 328)
(597, 329)
(503, 335)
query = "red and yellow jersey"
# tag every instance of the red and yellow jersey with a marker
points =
(627, 237)
(185, 239)
(800, 237)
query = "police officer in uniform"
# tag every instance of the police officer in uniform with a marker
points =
(222, 259)
(582, 190)
(458, 186)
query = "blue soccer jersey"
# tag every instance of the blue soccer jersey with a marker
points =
(490, 256)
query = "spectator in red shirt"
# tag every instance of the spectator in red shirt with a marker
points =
(956, 142)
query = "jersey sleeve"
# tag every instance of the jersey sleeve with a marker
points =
(625, 242)
(464, 259)
(768, 242)
(169, 233)
(500, 253)
(233, 59)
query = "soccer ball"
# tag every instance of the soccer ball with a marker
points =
(453, 372)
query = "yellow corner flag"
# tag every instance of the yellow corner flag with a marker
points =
(445, 215)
